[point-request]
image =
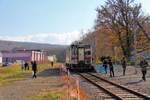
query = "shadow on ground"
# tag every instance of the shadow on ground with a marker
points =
(49, 72)
(134, 82)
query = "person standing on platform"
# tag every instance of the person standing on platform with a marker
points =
(34, 69)
(52, 63)
(111, 68)
(26, 65)
(22, 65)
(144, 65)
(124, 65)
(105, 65)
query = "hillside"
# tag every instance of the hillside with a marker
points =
(58, 50)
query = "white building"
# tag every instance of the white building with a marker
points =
(52, 58)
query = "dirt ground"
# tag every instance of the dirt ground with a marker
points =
(49, 81)
(46, 81)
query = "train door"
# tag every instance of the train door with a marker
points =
(81, 54)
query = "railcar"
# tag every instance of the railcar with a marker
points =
(79, 58)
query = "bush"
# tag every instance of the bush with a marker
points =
(131, 63)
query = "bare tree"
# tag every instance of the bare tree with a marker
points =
(124, 18)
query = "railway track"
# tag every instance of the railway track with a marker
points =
(111, 90)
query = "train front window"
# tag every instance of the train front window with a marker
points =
(88, 53)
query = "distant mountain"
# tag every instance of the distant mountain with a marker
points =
(58, 50)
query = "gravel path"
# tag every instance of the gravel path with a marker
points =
(19, 90)
(132, 79)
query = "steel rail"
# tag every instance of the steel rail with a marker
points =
(122, 87)
(104, 89)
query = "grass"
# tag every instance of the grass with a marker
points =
(51, 96)
(14, 72)
(11, 73)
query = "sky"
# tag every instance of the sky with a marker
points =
(48, 21)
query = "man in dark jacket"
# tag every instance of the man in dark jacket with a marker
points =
(144, 65)
(34, 68)
(124, 64)
(111, 68)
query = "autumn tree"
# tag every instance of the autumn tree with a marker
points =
(103, 43)
(124, 18)
(143, 40)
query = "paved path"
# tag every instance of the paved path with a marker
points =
(19, 90)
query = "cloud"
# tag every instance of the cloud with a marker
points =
(52, 38)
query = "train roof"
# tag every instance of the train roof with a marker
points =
(80, 45)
